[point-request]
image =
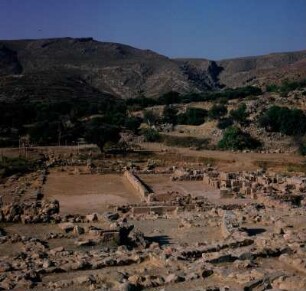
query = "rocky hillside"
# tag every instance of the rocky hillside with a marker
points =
(84, 68)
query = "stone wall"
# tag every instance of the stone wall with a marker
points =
(138, 185)
(227, 223)
(159, 210)
(257, 184)
(31, 212)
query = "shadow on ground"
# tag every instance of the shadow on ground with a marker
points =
(161, 239)
(255, 231)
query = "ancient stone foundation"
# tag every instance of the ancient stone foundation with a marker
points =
(138, 185)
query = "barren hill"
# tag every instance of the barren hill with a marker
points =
(83, 68)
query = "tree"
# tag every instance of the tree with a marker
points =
(302, 148)
(235, 139)
(100, 133)
(217, 111)
(224, 123)
(240, 115)
(272, 88)
(150, 117)
(151, 135)
(286, 87)
(133, 123)
(45, 132)
(140, 102)
(284, 120)
(170, 98)
(169, 114)
(193, 116)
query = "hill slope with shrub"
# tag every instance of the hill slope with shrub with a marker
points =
(69, 67)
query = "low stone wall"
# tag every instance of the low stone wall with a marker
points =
(160, 210)
(229, 224)
(270, 201)
(138, 185)
(31, 212)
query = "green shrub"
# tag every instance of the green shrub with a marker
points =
(185, 141)
(8, 142)
(217, 111)
(169, 115)
(171, 97)
(133, 123)
(11, 166)
(286, 87)
(49, 122)
(302, 149)
(282, 119)
(235, 139)
(224, 123)
(151, 135)
(222, 96)
(240, 115)
(272, 88)
(44, 132)
(150, 117)
(223, 100)
(301, 141)
(101, 134)
(193, 116)
(140, 102)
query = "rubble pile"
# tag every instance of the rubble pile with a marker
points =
(258, 185)
(171, 239)
(31, 212)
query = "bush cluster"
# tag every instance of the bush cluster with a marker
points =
(192, 116)
(240, 115)
(282, 119)
(286, 87)
(217, 111)
(173, 97)
(11, 166)
(151, 135)
(57, 122)
(185, 141)
(224, 123)
(235, 139)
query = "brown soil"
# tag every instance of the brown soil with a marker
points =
(226, 160)
(83, 194)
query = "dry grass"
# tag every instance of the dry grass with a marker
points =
(288, 168)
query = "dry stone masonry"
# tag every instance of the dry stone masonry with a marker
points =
(264, 187)
(249, 235)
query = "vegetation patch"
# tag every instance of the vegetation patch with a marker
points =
(302, 148)
(217, 111)
(282, 119)
(101, 134)
(185, 141)
(235, 139)
(285, 167)
(286, 87)
(224, 123)
(173, 97)
(192, 116)
(151, 135)
(12, 166)
(62, 122)
(240, 115)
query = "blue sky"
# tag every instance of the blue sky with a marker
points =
(212, 29)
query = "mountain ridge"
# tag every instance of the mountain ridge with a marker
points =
(127, 72)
